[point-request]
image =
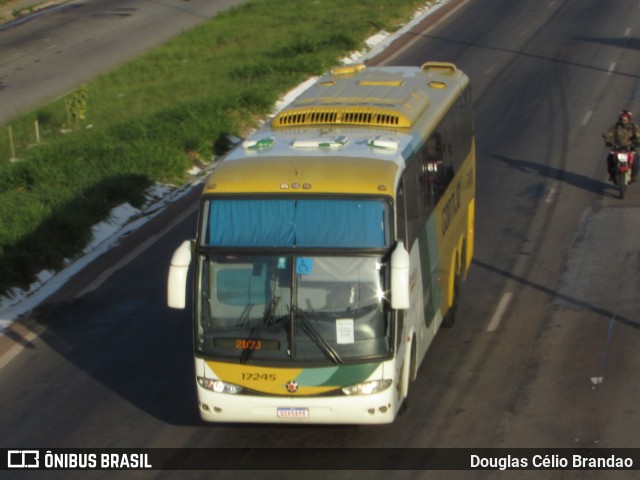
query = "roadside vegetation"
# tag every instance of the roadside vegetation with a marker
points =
(11, 9)
(64, 166)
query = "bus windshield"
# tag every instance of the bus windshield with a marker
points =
(326, 309)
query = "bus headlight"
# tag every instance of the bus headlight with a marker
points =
(219, 386)
(367, 388)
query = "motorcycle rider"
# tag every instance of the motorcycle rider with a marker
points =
(623, 133)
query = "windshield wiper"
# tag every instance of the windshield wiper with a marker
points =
(245, 314)
(268, 318)
(326, 348)
(246, 353)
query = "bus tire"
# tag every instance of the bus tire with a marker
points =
(450, 317)
(463, 260)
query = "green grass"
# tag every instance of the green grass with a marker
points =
(148, 120)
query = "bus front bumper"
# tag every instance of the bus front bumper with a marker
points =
(378, 408)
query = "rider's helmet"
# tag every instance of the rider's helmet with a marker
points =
(625, 116)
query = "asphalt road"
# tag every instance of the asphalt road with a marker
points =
(51, 53)
(545, 349)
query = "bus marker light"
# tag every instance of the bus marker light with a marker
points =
(259, 144)
(348, 69)
(385, 143)
(438, 85)
(333, 143)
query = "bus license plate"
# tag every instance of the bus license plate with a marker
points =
(293, 413)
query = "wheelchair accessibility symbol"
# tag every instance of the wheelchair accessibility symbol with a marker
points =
(304, 266)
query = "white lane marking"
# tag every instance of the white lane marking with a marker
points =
(490, 69)
(587, 117)
(627, 32)
(552, 193)
(17, 348)
(603, 356)
(612, 67)
(497, 316)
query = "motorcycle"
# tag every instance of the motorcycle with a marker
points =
(622, 159)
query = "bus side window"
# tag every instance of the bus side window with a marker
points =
(436, 172)
(401, 213)
(415, 207)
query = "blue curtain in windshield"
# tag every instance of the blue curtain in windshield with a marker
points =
(302, 223)
(340, 223)
(251, 223)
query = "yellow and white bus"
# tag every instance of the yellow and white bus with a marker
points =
(330, 248)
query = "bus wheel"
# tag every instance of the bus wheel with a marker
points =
(463, 260)
(450, 317)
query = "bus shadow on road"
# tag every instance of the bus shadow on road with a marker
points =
(556, 296)
(558, 174)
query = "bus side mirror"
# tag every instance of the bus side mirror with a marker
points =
(177, 282)
(400, 277)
